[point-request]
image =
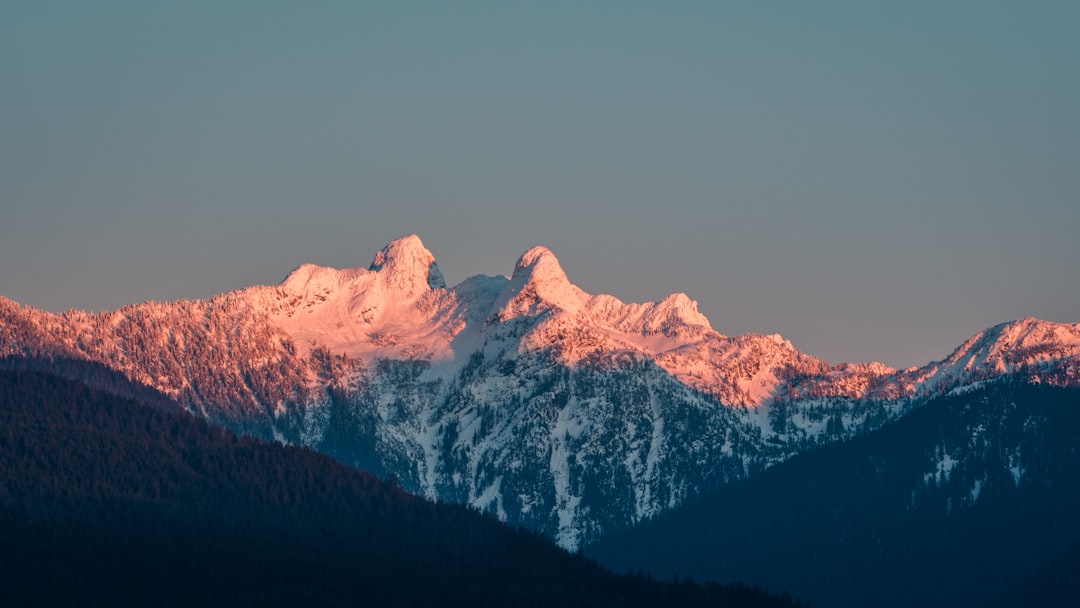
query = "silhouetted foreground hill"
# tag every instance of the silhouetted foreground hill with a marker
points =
(956, 504)
(1056, 585)
(105, 501)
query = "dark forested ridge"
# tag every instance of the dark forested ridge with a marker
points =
(92, 374)
(970, 501)
(105, 501)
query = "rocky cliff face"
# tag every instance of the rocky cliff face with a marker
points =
(563, 411)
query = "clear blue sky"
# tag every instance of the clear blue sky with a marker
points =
(872, 180)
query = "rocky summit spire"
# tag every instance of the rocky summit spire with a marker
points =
(406, 265)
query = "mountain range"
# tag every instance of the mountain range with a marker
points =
(572, 414)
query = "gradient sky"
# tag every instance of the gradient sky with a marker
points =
(871, 180)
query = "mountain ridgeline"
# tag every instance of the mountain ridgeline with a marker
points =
(568, 413)
(108, 501)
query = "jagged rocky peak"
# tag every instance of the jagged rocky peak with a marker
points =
(406, 265)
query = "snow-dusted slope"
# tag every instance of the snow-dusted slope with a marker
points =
(564, 411)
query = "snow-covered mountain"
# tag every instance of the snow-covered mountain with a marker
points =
(563, 411)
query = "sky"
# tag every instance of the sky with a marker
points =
(873, 181)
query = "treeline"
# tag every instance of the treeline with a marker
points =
(105, 501)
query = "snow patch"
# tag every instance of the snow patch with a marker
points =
(942, 467)
(1016, 466)
(976, 489)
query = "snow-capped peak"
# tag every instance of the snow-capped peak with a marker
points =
(679, 307)
(382, 312)
(537, 284)
(539, 265)
(1007, 346)
(406, 265)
